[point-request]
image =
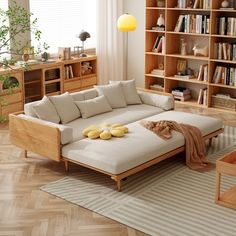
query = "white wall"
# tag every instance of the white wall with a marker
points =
(136, 44)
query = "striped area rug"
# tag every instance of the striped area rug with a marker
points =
(165, 200)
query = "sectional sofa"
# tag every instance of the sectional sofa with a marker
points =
(53, 128)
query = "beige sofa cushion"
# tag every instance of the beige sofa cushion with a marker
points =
(46, 111)
(93, 106)
(65, 107)
(130, 91)
(113, 93)
(66, 131)
(152, 99)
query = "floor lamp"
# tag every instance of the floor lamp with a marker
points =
(126, 23)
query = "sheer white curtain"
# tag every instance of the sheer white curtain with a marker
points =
(109, 41)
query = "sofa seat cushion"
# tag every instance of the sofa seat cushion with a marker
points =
(122, 115)
(139, 146)
(206, 124)
(120, 154)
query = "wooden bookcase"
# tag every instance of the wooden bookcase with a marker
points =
(47, 79)
(169, 58)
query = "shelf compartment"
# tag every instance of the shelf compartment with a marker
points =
(52, 74)
(194, 80)
(189, 57)
(89, 81)
(52, 88)
(186, 34)
(155, 13)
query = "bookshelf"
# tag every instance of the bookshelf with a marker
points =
(209, 16)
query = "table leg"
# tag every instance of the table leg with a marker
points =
(217, 190)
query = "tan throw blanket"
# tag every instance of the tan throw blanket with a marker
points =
(194, 142)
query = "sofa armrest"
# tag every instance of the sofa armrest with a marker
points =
(66, 132)
(162, 100)
(35, 135)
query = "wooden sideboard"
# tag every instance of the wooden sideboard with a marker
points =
(51, 78)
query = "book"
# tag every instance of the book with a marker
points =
(71, 72)
(179, 23)
(154, 49)
(205, 97)
(205, 73)
(200, 97)
(200, 73)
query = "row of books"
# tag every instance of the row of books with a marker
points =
(226, 26)
(181, 94)
(202, 97)
(197, 4)
(202, 4)
(159, 45)
(68, 72)
(225, 51)
(203, 73)
(224, 75)
(199, 24)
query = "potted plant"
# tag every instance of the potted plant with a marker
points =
(14, 23)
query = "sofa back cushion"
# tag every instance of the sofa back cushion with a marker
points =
(85, 95)
(92, 107)
(113, 93)
(46, 111)
(130, 91)
(65, 107)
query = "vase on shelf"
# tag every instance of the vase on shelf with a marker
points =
(225, 4)
(161, 23)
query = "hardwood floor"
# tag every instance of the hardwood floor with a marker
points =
(25, 210)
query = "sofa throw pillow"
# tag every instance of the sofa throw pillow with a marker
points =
(113, 93)
(130, 91)
(66, 108)
(93, 106)
(46, 111)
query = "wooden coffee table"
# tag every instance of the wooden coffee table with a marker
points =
(226, 165)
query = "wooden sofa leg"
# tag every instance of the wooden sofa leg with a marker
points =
(210, 142)
(67, 166)
(118, 184)
(25, 154)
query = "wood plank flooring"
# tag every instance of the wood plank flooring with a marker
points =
(26, 211)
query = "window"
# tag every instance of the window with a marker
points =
(61, 20)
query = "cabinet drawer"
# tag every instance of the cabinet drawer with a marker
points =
(73, 85)
(12, 98)
(12, 108)
(86, 82)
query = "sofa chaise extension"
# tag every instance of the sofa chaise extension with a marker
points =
(117, 157)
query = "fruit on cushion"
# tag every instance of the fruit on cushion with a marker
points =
(105, 131)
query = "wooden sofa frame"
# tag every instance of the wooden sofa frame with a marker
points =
(45, 140)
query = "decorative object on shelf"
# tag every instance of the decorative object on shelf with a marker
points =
(200, 51)
(126, 23)
(86, 68)
(183, 47)
(161, 23)
(190, 71)
(181, 67)
(44, 56)
(64, 53)
(161, 66)
(190, 5)
(160, 3)
(225, 4)
(77, 50)
(25, 57)
(83, 36)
